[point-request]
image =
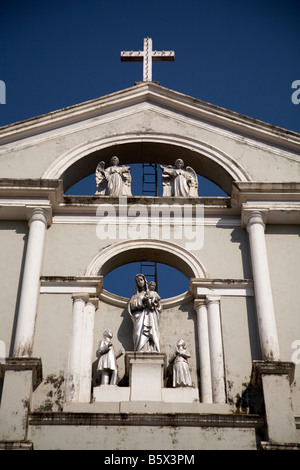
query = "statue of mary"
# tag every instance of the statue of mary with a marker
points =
(144, 307)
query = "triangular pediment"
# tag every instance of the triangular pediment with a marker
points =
(148, 121)
(147, 92)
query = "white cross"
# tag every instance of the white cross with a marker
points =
(147, 56)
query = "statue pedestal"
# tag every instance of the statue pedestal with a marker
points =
(146, 375)
(111, 393)
(146, 372)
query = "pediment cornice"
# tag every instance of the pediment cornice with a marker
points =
(159, 96)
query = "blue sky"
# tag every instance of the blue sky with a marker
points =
(240, 55)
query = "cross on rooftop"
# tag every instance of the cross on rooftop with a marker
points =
(147, 56)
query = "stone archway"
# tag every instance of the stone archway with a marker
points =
(129, 251)
(212, 163)
(161, 251)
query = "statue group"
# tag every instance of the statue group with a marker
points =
(116, 180)
(144, 308)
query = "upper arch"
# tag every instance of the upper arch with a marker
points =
(162, 251)
(206, 160)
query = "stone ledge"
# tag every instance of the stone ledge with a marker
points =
(16, 445)
(213, 201)
(29, 183)
(135, 407)
(279, 446)
(146, 419)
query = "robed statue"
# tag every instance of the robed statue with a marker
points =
(144, 307)
(107, 364)
(179, 361)
(179, 182)
(114, 180)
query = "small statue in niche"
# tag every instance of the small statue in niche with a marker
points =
(114, 180)
(144, 307)
(179, 360)
(107, 364)
(179, 182)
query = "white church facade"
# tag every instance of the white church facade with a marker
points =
(239, 319)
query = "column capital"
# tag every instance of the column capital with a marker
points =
(213, 299)
(254, 216)
(199, 303)
(80, 296)
(94, 301)
(206, 300)
(42, 214)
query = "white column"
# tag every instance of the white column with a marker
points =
(87, 352)
(31, 283)
(262, 287)
(216, 350)
(204, 355)
(73, 383)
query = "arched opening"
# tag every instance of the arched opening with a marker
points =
(133, 252)
(170, 281)
(208, 162)
(87, 185)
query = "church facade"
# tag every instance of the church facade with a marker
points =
(233, 381)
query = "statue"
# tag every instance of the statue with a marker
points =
(153, 295)
(179, 182)
(144, 307)
(181, 372)
(107, 364)
(114, 180)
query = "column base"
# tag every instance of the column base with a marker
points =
(111, 393)
(21, 377)
(274, 378)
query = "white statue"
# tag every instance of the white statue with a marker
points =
(144, 307)
(114, 180)
(179, 182)
(181, 372)
(107, 364)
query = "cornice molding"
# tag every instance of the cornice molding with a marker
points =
(158, 95)
(147, 419)
(74, 285)
(205, 288)
(278, 203)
